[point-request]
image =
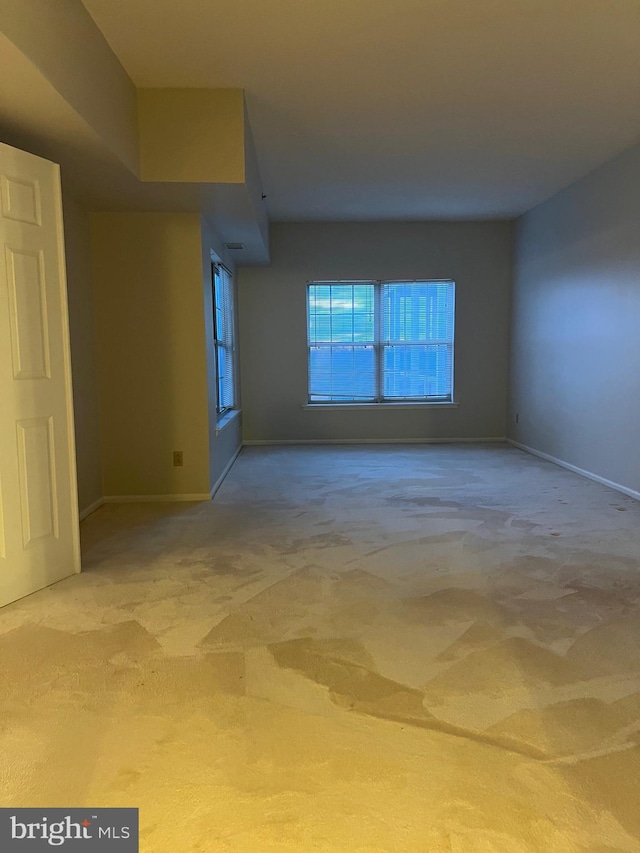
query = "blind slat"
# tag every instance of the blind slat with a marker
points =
(223, 331)
(404, 354)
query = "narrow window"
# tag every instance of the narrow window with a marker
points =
(223, 326)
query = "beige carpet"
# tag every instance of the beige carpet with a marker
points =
(399, 648)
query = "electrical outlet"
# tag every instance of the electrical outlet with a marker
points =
(178, 458)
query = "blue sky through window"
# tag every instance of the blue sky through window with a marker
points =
(381, 341)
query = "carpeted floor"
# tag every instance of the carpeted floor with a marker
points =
(359, 649)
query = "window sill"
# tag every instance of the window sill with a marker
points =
(376, 406)
(224, 420)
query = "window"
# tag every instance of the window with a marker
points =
(381, 341)
(223, 336)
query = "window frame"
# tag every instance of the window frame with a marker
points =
(379, 400)
(222, 283)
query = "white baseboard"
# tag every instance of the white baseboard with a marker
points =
(583, 473)
(218, 482)
(83, 513)
(126, 499)
(256, 442)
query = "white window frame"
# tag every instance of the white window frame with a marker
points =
(379, 400)
(224, 339)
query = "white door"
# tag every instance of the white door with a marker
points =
(39, 541)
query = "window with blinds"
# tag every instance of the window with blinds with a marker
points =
(381, 341)
(223, 335)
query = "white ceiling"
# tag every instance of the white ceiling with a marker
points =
(402, 109)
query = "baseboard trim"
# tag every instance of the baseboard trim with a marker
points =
(83, 513)
(260, 443)
(220, 479)
(632, 493)
(127, 499)
(199, 496)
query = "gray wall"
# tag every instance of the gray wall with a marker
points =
(575, 376)
(83, 359)
(272, 312)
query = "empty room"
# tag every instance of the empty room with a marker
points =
(319, 418)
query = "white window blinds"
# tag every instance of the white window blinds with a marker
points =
(223, 334)
(382, 341)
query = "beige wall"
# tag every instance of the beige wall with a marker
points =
(272, 309)
(63, 42)
(83, 360)
(575, 377)
(151, 353)
(191, 135)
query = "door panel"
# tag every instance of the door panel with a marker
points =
(37, 472)
(39, 542)
(28, 313)
(21, 200)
